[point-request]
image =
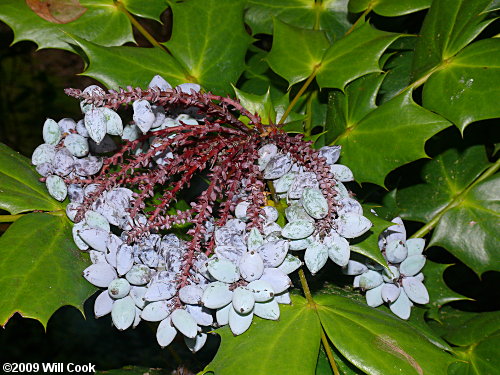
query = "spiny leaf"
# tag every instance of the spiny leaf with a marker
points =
(470, 213)
(122, 66)
(20, 190)
(470, 229)
(288, 346)
(482, 358)
(363, 134)
(270, 110)
(448, 27)
(328, 15)
(148, 9)
(354, 55)
(478, 339)
(474, 329)
(389, 8)
(356, 329)
(296, 52)
(41, 269)
(463, 91)
(114, 27)
(209, 40)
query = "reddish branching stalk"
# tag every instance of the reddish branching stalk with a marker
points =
(223, 145)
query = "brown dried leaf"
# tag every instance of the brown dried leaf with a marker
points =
(57, 11)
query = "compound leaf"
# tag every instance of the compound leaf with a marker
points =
(354, 55)
(462, 91)
(148, 9)
(387, 128)
(209, 40)
(468, 213)
(113, 27)
(40, 268)
(123, 66)
(20, 189)
(328, 15)
(296, 52)
(448, 27)
(288, 346)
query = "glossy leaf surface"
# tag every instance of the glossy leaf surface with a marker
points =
(468, 212)
(282, 353)
(355, 329)
(354, 55)
(448, 27)
(387, 127)
(296, 52)
(215, 45)
(122, 66)
(21, 191)
(389, 8)
(328, 15)
(462, 90)
(51, 271)
(115, 28)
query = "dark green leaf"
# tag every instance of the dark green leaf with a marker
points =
(448, 27)
(446, 176)
(323, 366)
(260, 104)
(354, 55)
(478, 338)
(468, 212)
(102, 23)
(209, 40)
(20, 190)
(398, 69)
(122, 66)
(470, 229)
(387, 137)
(463, 91)
(482, 358)
(389, 8)
(347, 109)
(270, 109)
(148, 9)
(296, 52)
(328, 15)
(474, 329)
(368, 243)
(439, 293)
(40, 268)
(378, 342)
(288, 346)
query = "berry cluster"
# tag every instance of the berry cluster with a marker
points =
(235, 259)
(401, 284)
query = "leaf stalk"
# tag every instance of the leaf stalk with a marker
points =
(10, 218)
(456, 201)
(299, 94)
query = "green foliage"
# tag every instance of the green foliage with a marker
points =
(27, 25)
(20, 187)
(356, 329)
(49, 275)
(477, 341)
(379, 78)
(462, 204)
(282, 351)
